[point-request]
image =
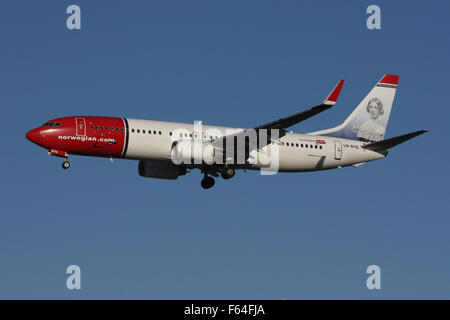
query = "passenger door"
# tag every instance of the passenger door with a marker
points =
(337, 150)
(81, 126)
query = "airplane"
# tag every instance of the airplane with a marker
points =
(160, 147)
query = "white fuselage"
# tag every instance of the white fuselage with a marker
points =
(297, 152)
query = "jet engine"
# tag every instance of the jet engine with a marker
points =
(160, 169)
(195, 152)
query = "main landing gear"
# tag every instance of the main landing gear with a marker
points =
(65, 164)
(227, 173)
(207, 182)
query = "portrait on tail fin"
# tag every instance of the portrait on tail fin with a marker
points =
(369, 120)
(372, 129)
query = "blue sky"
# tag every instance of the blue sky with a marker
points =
(233, 63)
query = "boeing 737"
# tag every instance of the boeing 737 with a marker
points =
(167, 150)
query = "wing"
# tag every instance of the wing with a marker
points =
(284, 123)
(289, 121)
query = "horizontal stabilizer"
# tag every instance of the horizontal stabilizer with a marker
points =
(392, 142)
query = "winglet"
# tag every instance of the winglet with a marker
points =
(332, 98)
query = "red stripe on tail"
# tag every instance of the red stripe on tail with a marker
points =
(390, 79)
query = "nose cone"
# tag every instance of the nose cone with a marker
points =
(34, 135)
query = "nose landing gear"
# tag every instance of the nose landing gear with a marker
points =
(63, 154)
(207, 182)
(65, 165)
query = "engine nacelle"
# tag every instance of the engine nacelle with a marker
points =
(195, 152)
(160, 169)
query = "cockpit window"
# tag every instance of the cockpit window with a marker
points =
(51, 124)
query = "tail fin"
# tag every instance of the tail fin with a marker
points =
(369, 120)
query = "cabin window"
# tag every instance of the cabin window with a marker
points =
(132, 130)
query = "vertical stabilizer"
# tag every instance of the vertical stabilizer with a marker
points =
(368, 122)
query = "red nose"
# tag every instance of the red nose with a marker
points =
(34, 136)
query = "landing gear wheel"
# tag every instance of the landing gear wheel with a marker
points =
(65, 165)
(227, 173)
(207, 182)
